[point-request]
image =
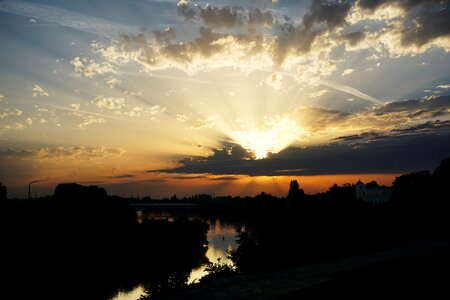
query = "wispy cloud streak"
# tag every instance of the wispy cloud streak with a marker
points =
(350, 90)
(66, 18)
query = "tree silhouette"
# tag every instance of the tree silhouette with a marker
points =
(295, 192)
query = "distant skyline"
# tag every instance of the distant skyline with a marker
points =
(224, 97)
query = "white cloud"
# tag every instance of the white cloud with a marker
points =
(113, 82)
(347, 72)
(29, 121)
(155, 110)
(90, 68)
(204, 123)
(109, 102)
(181, 118)
(444, 86)
(7, 127)
(275, 80)
(318, 93)
(75, 106)
(38, 91)
(89, 120)
(1, 97)
(9, 112)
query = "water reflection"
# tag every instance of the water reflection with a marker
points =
(136, 293)
(221, 239)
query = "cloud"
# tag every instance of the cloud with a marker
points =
(391, 155)
(347, 72)
(38, 91)
(10, 112)
(226, 16)
(224, 178)
(78, 152)
(275, 80)
(121, 176)
(89, 68)
(7, 127)
(181, 118)
(109, 102)
(354, 38)
(14, 153)
(318, 93)
(444, 86)
(350, 90)
(408, 27)
(407, 134)
(66, 18)
(113, 82)
(75, 106)
(89, 120)
(63, 152)
(204, 123)
(333, 14)
(118, 106)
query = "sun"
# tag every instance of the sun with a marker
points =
(260, 143)
(273, 138)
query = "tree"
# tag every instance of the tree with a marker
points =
(3, 192)
(295, 192)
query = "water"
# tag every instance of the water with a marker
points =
(221, 239)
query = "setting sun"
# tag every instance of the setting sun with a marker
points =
(276, 136)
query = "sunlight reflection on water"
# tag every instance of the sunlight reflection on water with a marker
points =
(221, 239)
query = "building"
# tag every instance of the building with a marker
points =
(374, 195)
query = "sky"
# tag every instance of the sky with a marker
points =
(222, 97)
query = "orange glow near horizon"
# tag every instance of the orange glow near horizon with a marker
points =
(237, 185)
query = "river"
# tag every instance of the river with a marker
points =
(221, 239)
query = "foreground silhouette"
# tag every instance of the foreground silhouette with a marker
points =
(81, 243)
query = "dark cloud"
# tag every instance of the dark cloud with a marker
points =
(225, 178)
(353, 38)
(389, 155)
(186, 10)
(122, 176)
(372, 4)
(406, 4)
(9, 152)
(424, 20)
(332, 13)
(386, 149)
(165, 36)
(154, 180)
(226, 16)
(187, 177)
(429, 24)
(437, 104)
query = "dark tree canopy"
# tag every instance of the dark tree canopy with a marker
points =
(295, 192)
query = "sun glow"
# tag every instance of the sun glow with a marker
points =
(276, 136)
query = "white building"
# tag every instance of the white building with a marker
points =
(375, 196)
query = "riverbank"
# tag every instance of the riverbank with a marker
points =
(375, 272)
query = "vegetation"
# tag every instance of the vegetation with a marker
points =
(86, 244)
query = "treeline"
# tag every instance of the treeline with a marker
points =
(309, 229)
(81, 243)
